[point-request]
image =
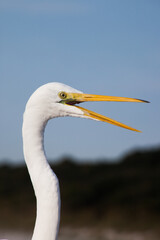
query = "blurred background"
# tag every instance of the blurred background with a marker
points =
(109, 176)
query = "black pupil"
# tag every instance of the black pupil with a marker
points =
(63, 95)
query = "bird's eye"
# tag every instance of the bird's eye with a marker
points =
(63, 95)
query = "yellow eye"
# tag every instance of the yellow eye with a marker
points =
(63, 95)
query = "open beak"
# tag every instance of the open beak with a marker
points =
(74, 98)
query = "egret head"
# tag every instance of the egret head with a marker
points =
(59, 100)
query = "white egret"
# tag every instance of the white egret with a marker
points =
(49, 101)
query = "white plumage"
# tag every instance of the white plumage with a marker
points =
(47, 102)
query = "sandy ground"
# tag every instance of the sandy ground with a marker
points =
(85, 234)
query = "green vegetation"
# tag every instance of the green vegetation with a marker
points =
(123, 195)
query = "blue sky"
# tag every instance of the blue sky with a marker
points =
(108, 47)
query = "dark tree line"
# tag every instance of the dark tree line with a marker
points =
(122, 194)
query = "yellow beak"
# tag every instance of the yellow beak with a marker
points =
(73, 98)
